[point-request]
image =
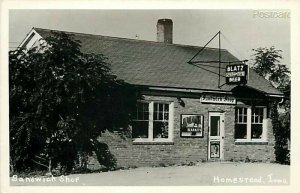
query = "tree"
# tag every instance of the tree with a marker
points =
(267, 64)
(60, 101)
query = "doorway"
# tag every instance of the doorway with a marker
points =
(216, 135)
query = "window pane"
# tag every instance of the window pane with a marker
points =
(241, 115)
(166, 107)
(160, 129)
(140, 107)
(140, 129)
(256, 131)
(145, 107)
(146, 116)
(161, 106)
(166, 116)
(160, 117)
(139, 115)
(142, 111)
(245, 118)
(240, 131)
(155, 116)
(214, 126)
(240, 119)
(256, 119)
(257, 115)
(261, 119)
(155, 107)
(161, 111)
(245, 111)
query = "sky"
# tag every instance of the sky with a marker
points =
(241, 30)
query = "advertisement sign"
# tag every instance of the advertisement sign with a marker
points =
(218, 99)
(191, 125)
(215, 149)
(236, 74)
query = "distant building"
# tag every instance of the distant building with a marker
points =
(186, 115)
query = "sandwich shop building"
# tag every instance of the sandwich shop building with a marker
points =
(190, 112)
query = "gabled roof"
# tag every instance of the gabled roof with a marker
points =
(158, 64)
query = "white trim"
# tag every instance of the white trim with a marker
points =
(32, 41)
(171, 121)
(249, 116)
(264, 137)
(221, 137)
(276, 95)
(151, 121)
(188, 90)
(150, 126)
(162, 88)
(249, 141)
(265, 125)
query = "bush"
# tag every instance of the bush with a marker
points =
(281, 133)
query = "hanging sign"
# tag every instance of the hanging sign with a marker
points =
(236, 74)
(218, 99)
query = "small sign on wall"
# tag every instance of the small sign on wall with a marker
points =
(217, 99)
(191, 125)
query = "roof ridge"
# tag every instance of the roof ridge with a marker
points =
(129, 39)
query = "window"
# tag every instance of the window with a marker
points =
(250, 124)
(160, 120)
(141, 121)
(241, 123)
(153, 122)
(257, 123)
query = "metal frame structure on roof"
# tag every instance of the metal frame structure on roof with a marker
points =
(218, 61)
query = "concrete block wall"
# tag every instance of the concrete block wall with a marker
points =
(185, 150)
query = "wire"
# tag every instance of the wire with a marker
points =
(227, 40)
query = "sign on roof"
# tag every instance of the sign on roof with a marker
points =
(236, 74)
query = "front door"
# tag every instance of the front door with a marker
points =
(216, 136)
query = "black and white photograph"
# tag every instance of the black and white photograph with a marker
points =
(149, 97)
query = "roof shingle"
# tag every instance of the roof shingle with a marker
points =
(151, 63)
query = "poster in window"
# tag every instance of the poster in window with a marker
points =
(215, 149)
(191, 125)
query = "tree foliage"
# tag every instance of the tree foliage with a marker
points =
(267, 63)
(61, 100)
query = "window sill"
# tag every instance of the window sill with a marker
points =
(153, 143)
(251, 143)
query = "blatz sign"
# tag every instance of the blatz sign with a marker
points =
(236, 74)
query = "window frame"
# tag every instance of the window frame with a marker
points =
(249, 124)
(139, 119)
(151, 121)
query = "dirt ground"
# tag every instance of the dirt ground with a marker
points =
(219, 174)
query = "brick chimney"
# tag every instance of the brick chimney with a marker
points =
(165, 31)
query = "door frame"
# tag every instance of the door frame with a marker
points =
(220, 138)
